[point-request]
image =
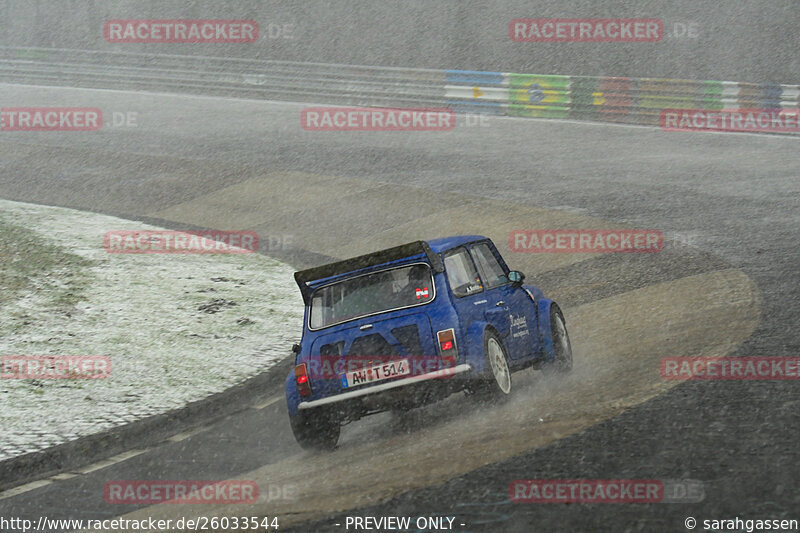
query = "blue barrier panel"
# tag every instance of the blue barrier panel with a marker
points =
(473, 77)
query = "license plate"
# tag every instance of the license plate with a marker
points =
(379, 372)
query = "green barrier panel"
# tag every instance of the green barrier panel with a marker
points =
(539, 90)
(518, 110)
(711, 95)
(583, 91)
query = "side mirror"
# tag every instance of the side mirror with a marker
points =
(516, 277)
(295, 348)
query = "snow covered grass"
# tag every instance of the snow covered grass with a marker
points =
(177, 327)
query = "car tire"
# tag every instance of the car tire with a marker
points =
(315, 430)
(562, 348)
(495, 383)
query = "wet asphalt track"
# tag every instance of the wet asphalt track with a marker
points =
(734, 196)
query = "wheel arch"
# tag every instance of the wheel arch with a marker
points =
(475, 334)
(292, 395)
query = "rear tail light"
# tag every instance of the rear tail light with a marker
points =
(301, 378)
(447, 346)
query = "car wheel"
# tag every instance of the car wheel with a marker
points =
(315, 430)
(496, 381)
(562, 360)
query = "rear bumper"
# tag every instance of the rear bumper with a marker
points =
(438, 374)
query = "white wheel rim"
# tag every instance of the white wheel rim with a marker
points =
(499, 366)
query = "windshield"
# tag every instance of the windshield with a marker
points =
(371, 293)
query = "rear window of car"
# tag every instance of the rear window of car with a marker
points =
(370, 294)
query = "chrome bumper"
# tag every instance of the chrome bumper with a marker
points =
(458, 369)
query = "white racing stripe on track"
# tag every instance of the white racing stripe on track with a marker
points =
(16, 491)
(186, 434)
(266, 403)
(65, 475)
(33, 485)
(111, 461)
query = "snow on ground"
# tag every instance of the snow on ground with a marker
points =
(141, 310)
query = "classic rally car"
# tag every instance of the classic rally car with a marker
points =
(405, 326)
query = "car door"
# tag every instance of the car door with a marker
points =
(513, 307)
(471, 300)
(465, 286)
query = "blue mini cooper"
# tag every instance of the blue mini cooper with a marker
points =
(409, 325)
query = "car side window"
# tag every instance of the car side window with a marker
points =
(461, 273)
(490, 269)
